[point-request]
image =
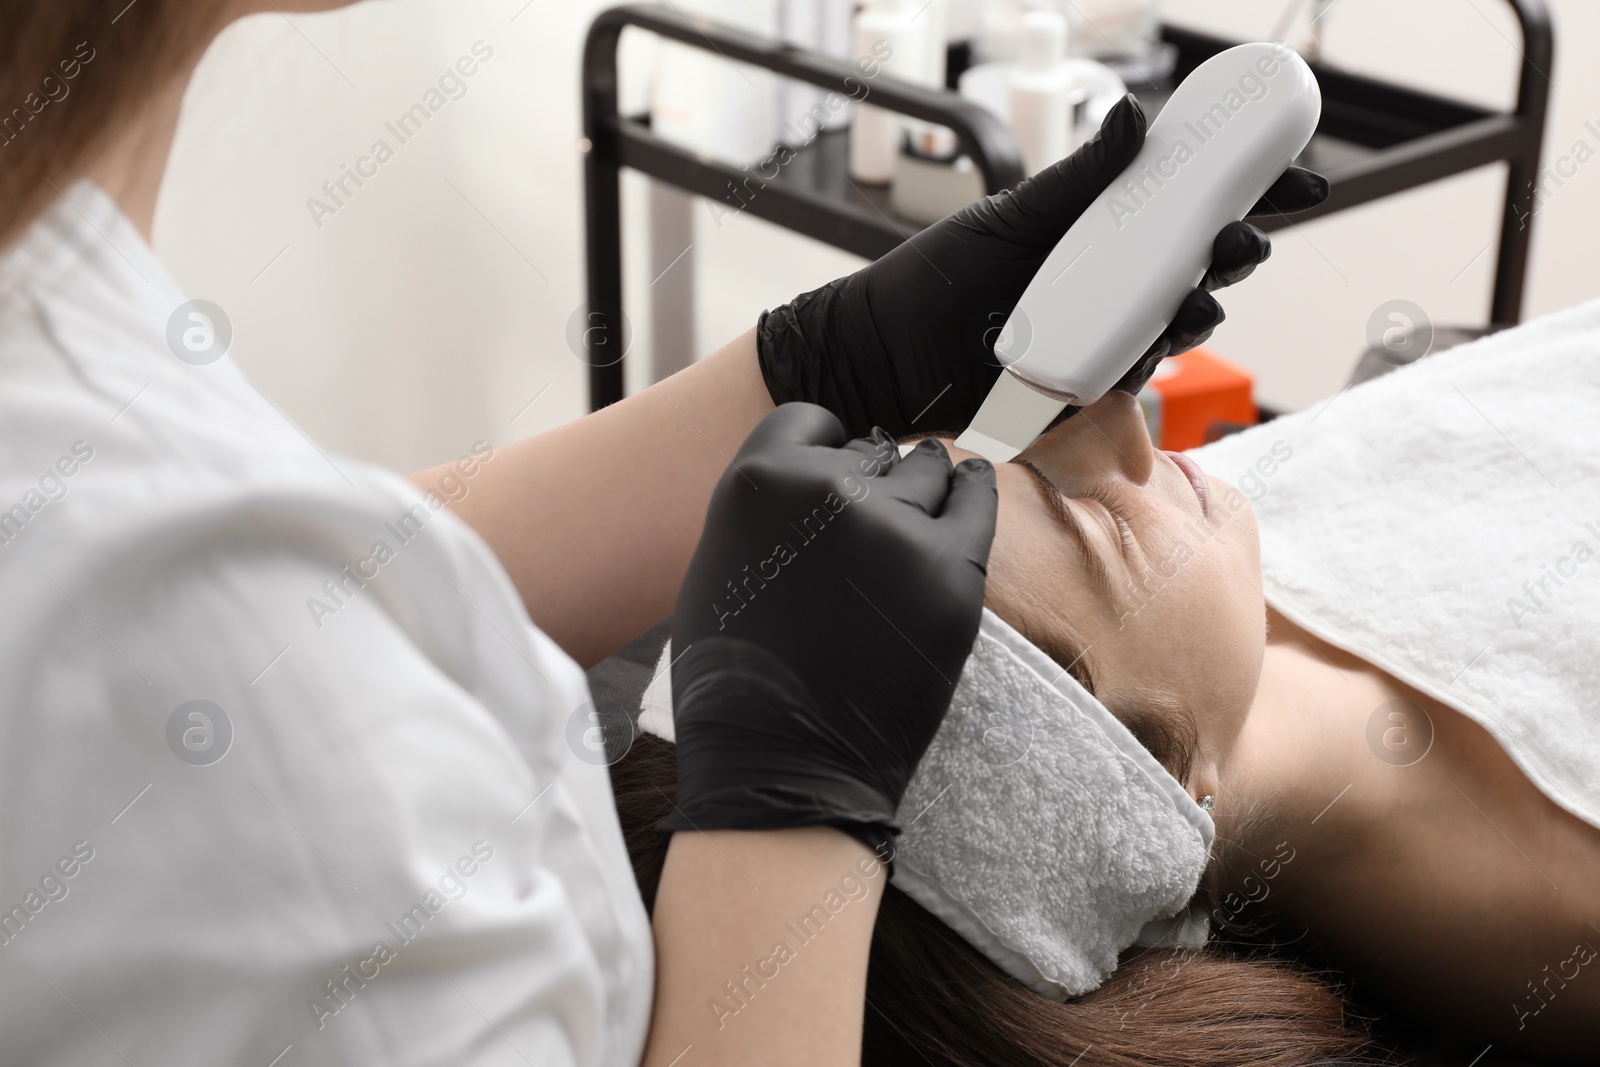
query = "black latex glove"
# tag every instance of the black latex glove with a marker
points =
(907, 343)
(826, 615)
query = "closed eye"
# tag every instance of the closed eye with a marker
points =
(1118, 516)
(1066, 518)
(1070, 524)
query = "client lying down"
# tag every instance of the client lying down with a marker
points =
(1386, 703)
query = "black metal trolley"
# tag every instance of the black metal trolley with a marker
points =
(1375, 139)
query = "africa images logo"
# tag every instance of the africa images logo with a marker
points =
(199, 733)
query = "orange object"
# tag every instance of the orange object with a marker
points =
(1190, 392)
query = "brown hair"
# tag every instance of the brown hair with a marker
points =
(72, 72)
(933, 1000)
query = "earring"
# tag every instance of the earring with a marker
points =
(1208, 803)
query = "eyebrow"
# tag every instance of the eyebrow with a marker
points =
(1070, 524)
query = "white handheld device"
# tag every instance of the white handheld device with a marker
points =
(1117, 278)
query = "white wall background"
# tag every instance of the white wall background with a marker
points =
(432, 308)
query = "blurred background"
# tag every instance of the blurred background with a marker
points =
(430, 307)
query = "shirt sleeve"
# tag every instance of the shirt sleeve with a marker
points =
(322, 807)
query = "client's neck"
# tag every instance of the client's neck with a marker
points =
(1300, 783)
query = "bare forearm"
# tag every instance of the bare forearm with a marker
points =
(595, 521)
(758, 937)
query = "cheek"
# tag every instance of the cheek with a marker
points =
(1236, 619)
(1234, 551)
(1232, 564)
(1201, 636)
(1238, 523)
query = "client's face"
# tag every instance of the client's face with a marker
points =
(1131, 557)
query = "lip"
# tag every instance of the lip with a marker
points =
(1197, 480)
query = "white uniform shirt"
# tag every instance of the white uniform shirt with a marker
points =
(405, 854)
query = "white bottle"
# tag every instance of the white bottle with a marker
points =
(888, 36)
(1118, 32)
(963, 20)
(799, 24)
(935, 39)
(703, 102)
(1000, 31)
(835, 33)
(1118, 276)
(1042, 89)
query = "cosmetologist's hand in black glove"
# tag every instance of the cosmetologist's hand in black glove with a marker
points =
(907, 343)
(826, 615)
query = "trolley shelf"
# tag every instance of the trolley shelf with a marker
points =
(1375, 139)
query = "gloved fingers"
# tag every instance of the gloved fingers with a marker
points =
(1297, 189)
(1139, 373)
(971, 507)
(790, 425)
(922, 478)
(1235, 254)
(1039, 211)
(876, 445)
(877, 455)
(1197, 317)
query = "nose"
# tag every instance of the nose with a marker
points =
(1106, 438)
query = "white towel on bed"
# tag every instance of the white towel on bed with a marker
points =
(1037, 827)
(1443, 523)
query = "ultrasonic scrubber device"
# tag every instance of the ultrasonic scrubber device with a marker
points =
(1117, 278)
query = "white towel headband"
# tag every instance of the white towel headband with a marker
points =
(1037, 826)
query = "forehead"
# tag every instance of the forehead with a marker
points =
(957, 453)
(1011, 473)
(1025, 528)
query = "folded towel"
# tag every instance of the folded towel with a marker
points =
(1037, 826)
(1443, 523)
